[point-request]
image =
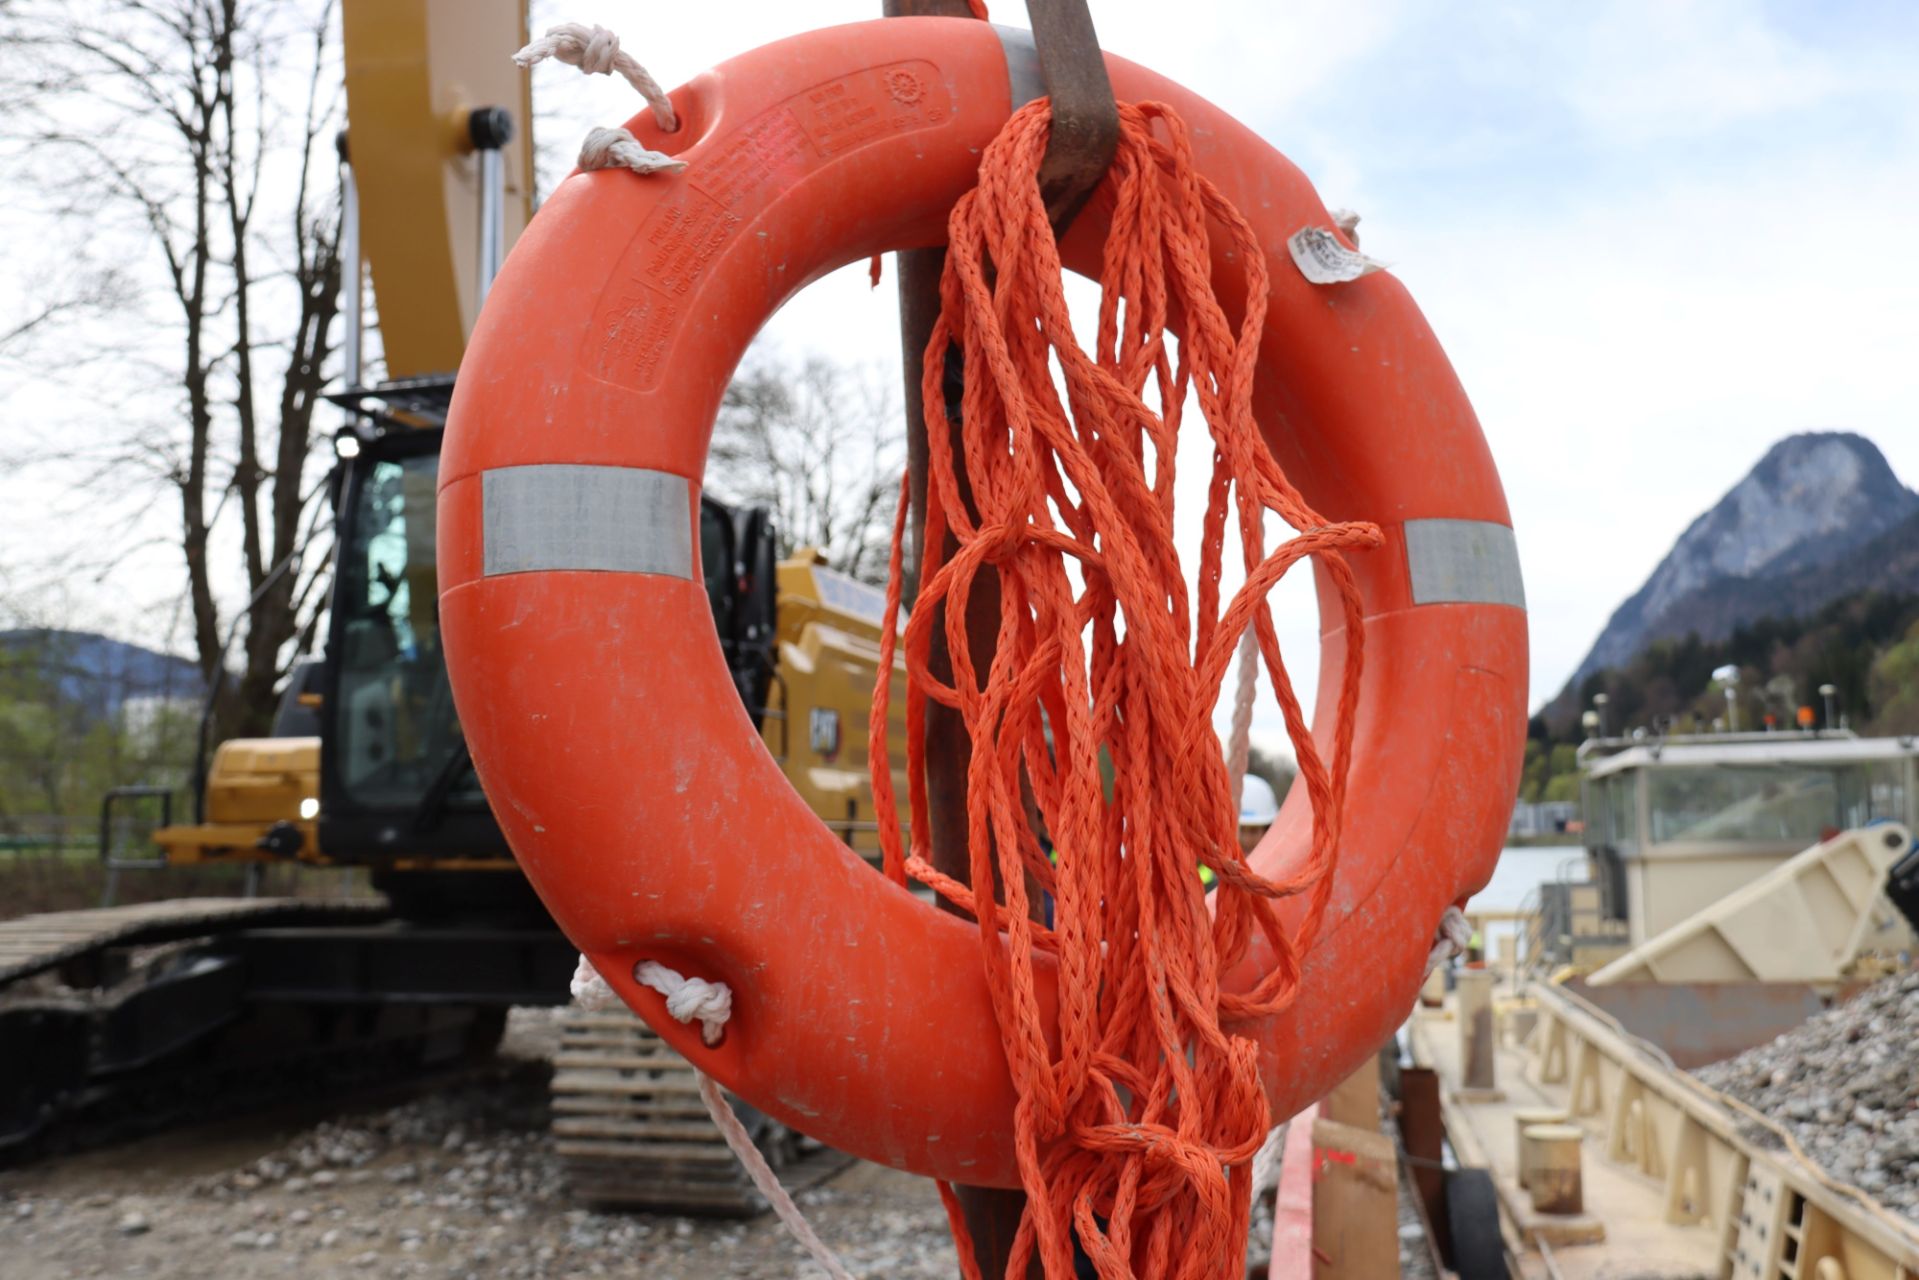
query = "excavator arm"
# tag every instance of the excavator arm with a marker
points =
(430, 84)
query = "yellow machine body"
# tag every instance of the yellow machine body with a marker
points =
(253, 785)
(822, 694)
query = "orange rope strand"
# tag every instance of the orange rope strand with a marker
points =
(1138, 1112)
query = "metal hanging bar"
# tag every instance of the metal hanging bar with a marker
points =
(1085, 116)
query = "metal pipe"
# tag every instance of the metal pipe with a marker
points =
(352, 280)
(489, 129)
(492, 217)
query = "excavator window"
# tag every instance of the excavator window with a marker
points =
(397, 737)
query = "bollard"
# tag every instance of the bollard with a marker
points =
(1475, 993)
(1523, 1119)
(1553, 1157)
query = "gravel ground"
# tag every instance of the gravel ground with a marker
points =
(459, 1181)
(1846, 1084)
(454, 1179)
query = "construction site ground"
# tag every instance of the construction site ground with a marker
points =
(450, 1178)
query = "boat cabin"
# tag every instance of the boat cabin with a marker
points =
(1675, 824)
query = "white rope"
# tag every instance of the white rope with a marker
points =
(1266, 1160)
(590, 991)
(712, 1003)
(1239, 753)
(1239, 741)
(596, 51)
(1455, 935)
(618, 149)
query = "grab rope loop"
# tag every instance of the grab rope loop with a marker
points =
(711, 1003)
(596, 51)
(1454, 937)
(1135, 1137)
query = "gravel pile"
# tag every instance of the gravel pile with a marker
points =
(1846, 1084)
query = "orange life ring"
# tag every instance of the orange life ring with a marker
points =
(612, 743)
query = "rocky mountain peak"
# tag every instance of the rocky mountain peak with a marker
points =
(1810, 499)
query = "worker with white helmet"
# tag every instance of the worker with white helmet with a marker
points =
(1258, 808)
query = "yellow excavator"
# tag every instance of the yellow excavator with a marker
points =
(367, 766)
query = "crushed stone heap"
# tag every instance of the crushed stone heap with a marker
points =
(1846, 1084)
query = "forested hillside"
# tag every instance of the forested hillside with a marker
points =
(1865, 645)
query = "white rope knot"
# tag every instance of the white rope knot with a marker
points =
(1454, 937)
(690, 998)
(618, 149)
(596, 51)
(590, 991)
(600, 49)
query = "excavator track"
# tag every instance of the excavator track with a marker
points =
(129, 1019)
(35, 944)
(631, 1130)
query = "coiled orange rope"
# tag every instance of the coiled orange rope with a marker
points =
(1135, 1134)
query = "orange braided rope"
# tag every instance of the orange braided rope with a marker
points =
(1135, 1133)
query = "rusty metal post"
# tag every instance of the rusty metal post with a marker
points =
(1423, 1129)
(1075, 74)
(992, 1214)
(1550, 1153)
(1474, 998)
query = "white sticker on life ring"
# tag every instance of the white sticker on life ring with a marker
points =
(1322, 259)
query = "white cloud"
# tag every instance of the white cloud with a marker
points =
(1655, 69)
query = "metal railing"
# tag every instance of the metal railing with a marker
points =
(111, 857)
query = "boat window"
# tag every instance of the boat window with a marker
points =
(1886, 792)
(1622, 812)
(1770, 803)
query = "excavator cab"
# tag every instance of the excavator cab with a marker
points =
(395, 779)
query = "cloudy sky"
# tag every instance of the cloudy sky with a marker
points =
(1654, 237)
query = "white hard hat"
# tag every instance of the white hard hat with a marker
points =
(1258, 806)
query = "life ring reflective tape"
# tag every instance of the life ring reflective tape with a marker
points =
(611, 739)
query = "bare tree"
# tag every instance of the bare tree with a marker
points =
(818, 444)
(205, 125)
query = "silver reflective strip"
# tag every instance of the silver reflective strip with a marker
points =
(1463, 562)
(1022, 64)
(561, 516)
